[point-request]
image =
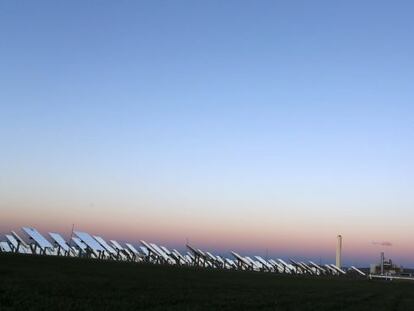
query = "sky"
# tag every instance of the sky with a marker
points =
(255, 126)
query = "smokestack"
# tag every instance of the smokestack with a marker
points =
(382, 263)
(339, 252)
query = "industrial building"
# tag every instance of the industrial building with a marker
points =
(386, 267)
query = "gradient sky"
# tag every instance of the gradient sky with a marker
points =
(245, 125)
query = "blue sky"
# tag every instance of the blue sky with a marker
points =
(195, 109)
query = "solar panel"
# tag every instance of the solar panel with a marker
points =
(241, 259)
(338, 269)
(230, 263)
(12, 241)
(330, 269)
(218, 257)
(298, 266)
(190, 255)
(201, 252)
(5, 247)
(264, 263)
(165, 250)
(178, 255)
(252, 262)
(19, 239)
(90, 242)
(357, 270)
(294, 262)
(160, 251)
(194, 251)
(79, 244)
(322, 270)
(105, 245)
(39, 239)
(188, 259)
(150, 248)
(74, 251)
(132, 249)
(286, 266)
(220, 260)
(211, 256)
(308, 269)
(60, 241)
(117, 245)
(144, 250)
(280, 268)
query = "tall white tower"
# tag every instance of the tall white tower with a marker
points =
(339, 252)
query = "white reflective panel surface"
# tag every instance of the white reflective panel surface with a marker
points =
(165, 250)
(263, 262)
(240, 258)
(117, 245)
(230, 262)
(132, 248)
(332, 270)
(105, 245)
(338, 269)
(74, 251)
(144, 250)
(38, 238)
(5, 247)
(253, 262)
(12, 241)
(79, 243)
(357, 270)
(60, 241)
(317, 266)
(307, 267)
(190, 255)
(195, 251)
(178, 254)
(149, 247)
(276, 265)
(159, 251)
(89, 241)
(19, 239)
(285, 264)
(211, 256)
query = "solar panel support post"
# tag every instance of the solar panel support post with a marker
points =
(33, 247)
(16, 250)
(152, 256)
(58, 250)
(197, 258)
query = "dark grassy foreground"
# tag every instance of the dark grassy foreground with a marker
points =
(47, 283)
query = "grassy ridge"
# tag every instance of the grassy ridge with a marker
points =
(49, 283)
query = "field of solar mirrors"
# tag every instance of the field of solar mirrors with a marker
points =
(83, 244)
(93, 274)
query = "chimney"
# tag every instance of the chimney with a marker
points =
(339, 252)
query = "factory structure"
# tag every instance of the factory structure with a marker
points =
(386, 267)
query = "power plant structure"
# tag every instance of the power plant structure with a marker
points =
(386, 267)
(339, 252)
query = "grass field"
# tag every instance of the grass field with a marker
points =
(49, 283)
